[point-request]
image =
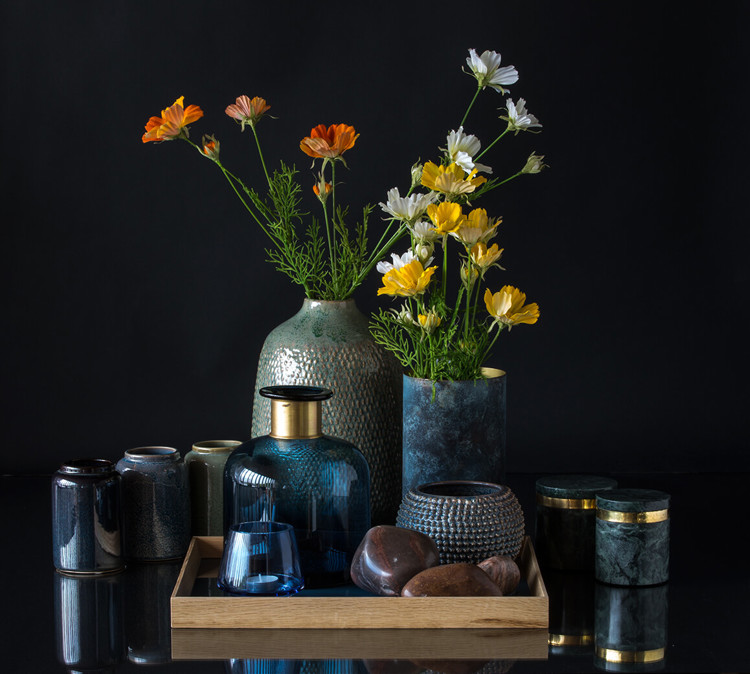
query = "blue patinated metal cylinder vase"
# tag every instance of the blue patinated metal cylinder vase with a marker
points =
(156, 504)
(454, 430)
(86, 528)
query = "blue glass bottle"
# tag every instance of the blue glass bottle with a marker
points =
(318, 484)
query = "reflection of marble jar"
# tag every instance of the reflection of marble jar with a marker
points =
(88, 621)
(571, 611)
(631, 628)
(632, 537)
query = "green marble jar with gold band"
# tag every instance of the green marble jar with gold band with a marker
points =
(565, 513)
(632, 537)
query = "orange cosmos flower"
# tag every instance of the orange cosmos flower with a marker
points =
(210, 147)
(173, 122)
(247, 111)
(329, 143)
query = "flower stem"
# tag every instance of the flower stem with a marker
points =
(332, 240)
(260, 154)
(466, 114)
(491, 144)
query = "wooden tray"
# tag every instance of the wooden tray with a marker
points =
(352, 612)
(360, 644)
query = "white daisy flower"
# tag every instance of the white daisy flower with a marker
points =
(519, 118)
(486, 68)
(408, 208)
(462, 147)
(424, 230)
(398, 261)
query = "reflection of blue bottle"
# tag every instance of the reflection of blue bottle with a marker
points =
(318, 484)
(236, 666)
(631, 628)
(333, 667)
(88, 621)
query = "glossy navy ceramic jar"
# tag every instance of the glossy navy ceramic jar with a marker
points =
(156, 504)
(86, 525)
(632, 537)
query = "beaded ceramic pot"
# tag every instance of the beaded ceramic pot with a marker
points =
(328, 344)
(469, 521)
(454, 430)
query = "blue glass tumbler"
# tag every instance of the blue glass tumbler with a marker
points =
(261, 558)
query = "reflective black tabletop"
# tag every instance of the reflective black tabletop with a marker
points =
(697, 621)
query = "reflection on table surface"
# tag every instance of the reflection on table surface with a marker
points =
(118, 623)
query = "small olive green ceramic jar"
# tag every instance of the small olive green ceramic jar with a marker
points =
(205, 463)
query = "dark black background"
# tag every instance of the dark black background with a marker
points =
(135, 293)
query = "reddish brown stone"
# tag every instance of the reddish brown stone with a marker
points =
(389, 556)
(452, 580)
(504, 572)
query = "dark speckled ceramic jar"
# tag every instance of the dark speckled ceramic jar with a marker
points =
(565, 519)
(632, 537)
(156, 504)
(86, 525)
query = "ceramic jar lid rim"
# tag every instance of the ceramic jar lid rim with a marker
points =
(87, 467)
(212, 446)
(632, 500)
(574, 486)
(155, 453)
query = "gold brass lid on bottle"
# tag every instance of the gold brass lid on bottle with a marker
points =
(296, 411)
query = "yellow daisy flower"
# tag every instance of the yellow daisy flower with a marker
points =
(507, 307)
(478, 227)
(451, 180)
(446, 217)
(484, 257)
(407, 281)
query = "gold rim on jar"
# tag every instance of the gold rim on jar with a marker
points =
(566, 503)
(629, 657)
(648, 517)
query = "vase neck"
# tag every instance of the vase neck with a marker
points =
(294, 419)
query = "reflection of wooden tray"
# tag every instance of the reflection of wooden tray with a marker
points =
(383, 644)
(354, 612)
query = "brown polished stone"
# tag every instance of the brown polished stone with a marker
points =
(452, 580)
(504, 572)
(389, 556)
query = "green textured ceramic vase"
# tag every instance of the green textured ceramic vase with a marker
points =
(328, 344)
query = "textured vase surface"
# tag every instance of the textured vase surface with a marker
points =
(453, 430)
(328, 344)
